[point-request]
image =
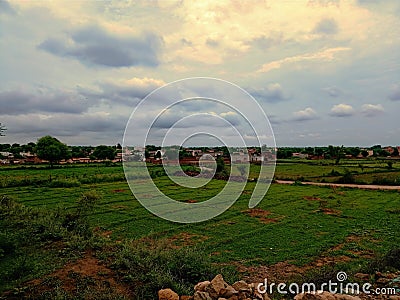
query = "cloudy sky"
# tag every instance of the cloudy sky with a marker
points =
(324, 72)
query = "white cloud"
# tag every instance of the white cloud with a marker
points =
(371, 110)
(342, 110)
(323, 55)
(305, 114)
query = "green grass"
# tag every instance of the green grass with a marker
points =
(365, 171)
(307, 221)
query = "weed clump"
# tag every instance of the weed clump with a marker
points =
(150, 265)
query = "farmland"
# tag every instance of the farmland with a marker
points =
(295, 224)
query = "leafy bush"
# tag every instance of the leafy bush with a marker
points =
(348, 177)
(386, 181)
(150, 265)
(388, 262)
(26, 232)
(77, 220)
(335, 173)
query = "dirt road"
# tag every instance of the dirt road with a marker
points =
(346, 185)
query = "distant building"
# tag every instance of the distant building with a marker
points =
(240, 157)
(389, 149)
(300, 155)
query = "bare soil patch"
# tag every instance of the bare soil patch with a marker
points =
(311, 198)
(119, 190)
(261, 215)
(69, 278)
(184, 239)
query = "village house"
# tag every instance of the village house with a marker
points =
(300, 155)
(240, 157)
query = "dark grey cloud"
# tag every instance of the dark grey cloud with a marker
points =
(395, 93)
(186, 42)
(95, 46)
(190, 120)
(326, 26)
(6, 8)
(127, 92)
(115, 93)
(198, 105)
(64, 124)
(15, 102)
(271, 93)
(212, 43)
(263, 42)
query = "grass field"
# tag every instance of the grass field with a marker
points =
(296, 224)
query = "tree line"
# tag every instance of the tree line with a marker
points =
(53, 150)
(336, 152)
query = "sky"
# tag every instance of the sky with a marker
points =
(324, 72)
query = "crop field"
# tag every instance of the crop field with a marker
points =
(295, 225)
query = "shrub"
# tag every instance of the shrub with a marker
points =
(348, 177)
(151, 265)
(77, 220)
(388, 262)
(385, 181)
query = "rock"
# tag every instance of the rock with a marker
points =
(308, 296)
(390, 275)
(201, 296)
(202, 286)
(216, 285)
(346, 297)
(383, 281)
(257, 295)
(362, 276)
(167, 294)
(243, 295)
(241, 286)
(228, 292)
(266, 297)
(186, 298)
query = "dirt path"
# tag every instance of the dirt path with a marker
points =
(346, 185)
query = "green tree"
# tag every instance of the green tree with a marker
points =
(77, 151)
(319, 151)
(220, 164)
(51, 149)
(364, 153)
(104, 152)
(339, 154)
(353, 151)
